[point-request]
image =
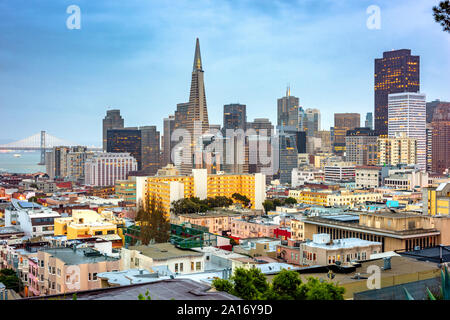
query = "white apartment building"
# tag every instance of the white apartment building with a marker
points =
(32, 218)
(368, 176)
(339, 171)
(300, 177)
(103, 169)
(407, 113)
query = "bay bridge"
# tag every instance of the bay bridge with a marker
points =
(41, 141)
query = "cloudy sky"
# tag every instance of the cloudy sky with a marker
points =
(137, 55)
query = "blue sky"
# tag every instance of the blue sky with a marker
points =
(137, 56)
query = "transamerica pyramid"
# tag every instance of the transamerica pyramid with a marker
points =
(197, 114)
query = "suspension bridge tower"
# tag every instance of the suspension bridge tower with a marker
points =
(42, 148)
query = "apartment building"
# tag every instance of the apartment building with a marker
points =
(395, 231)
(103, 169)
(334, 198)
(202, 185)
(339, 171)
(300, 177)
(216, 221)
(65, 270)
(178, 261)
(436, 200)
(399, 149)
(369, 176)
(31, 218)
(89, 223)
(253, 228)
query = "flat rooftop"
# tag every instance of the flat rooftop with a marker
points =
(343, 244)
(178, 289)
(164, 251)
(78, 256)
(399, 266)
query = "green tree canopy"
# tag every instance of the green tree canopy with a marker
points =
(10, 279)
(153, 222)
(251, 284)
(441, 14)
(194, 204)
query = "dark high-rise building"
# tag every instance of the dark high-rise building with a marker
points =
(150, 149)
(113, 120)
(234, 117)
(291, 142)
(431, 106)
(169, 125)
(288, 110)
(261, 126)
(396, 72)
(125, 140)
(142, 143)
(342, 123)
(260, 158)
(441, 138)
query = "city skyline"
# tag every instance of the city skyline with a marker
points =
(149, 74)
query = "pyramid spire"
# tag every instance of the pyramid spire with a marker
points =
(197, 57)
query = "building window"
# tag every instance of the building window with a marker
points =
(181, 267)
(198, 265)
(94, 276)
(176, 267)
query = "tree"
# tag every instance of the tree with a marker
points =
(194, 204)
(268, 205)
(242, 199)
(10, 279)
(441, 14)
(314, 289)
(251, 284)
(290, 200)
(286, 286)
(153, 222)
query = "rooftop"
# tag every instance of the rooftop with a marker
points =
(345, 243)
(178, 289)
(79, 256)
(164, 251)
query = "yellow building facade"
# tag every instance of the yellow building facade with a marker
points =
(87, 223)
(166, 189)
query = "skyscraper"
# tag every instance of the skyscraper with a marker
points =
(126, 140)
(169, 125)
(311, 122)
(431, 106)
(342, 123)
(150, 149)
(441, 138)
(141, 143)
(397, 71)
(234, 116)
(288, 110)
(196, 116)
(369, 121)
(407, 113)
(113, 120)
(291, 142)
(361, 147)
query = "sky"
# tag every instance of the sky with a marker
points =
(137, 56)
